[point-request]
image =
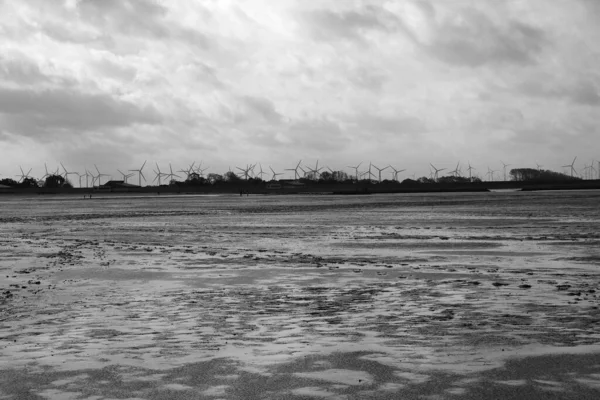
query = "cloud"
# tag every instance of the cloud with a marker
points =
(376, 125)
(322, 134)
(579, 91)
(472, 39)
(27, 111)
(471, 36)
(353, 25)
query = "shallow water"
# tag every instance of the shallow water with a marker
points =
(277, 296)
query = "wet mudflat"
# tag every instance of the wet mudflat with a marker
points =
(466, 296)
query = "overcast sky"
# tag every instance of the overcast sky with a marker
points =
(117, 82)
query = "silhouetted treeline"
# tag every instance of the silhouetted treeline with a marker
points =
(27, 182)
(539, 175)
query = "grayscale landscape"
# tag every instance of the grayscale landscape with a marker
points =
(462, 296)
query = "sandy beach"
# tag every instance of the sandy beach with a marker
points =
(435, 296)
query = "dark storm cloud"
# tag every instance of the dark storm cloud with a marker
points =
(28, 111)
(473, 39)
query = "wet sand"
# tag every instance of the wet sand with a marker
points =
(466, 296)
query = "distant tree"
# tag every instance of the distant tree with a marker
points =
(230, 176)
(340, 176)
(453, 179)
(8, 182)
(56, 181)
(29, 182)
(214, 178)
(424, 179)
(326, 176)
(537, 175)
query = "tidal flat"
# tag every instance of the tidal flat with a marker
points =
(435, 296)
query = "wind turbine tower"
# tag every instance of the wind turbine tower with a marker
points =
(504, 166)
(171, 174)
(246, 171)
(396, 172)
(24, 175)
(296, 174)
(490, 174)
(261, 173)
(140, 174)
(67, 173)
(356, 170)
(571, 166)
(100, 175)
(380, 170)
(274, 177)
(316, 170)
(456, 171)
(470, 169)
(437, 170)
(125, 176)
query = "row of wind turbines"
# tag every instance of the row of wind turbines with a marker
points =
(250, 171)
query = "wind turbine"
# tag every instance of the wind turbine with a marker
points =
(246, 171)
(100, 175)
(188, 171)
(469, 169)
(490, 173)
(200, 170)
(296, 174)
(140, 174)
(67, 173)
(437, 170)
(171, 175)
(274, 173)
(159, 174)
(88, 173)
(125, 176)
(504, 166)
(316, 170)
(356, 169)
(47, 173)
(456, 171)
(80, 177)
(592, 170)
(23, 174)
(585, 171)
(396, 172)
(380, 170)
(571, 166)
(261, 173)
(539, 167)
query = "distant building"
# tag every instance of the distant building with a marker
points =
(117, 186)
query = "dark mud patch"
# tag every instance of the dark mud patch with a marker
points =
(419, 245)
(489, 253)
(594, 260)
(112, 274)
